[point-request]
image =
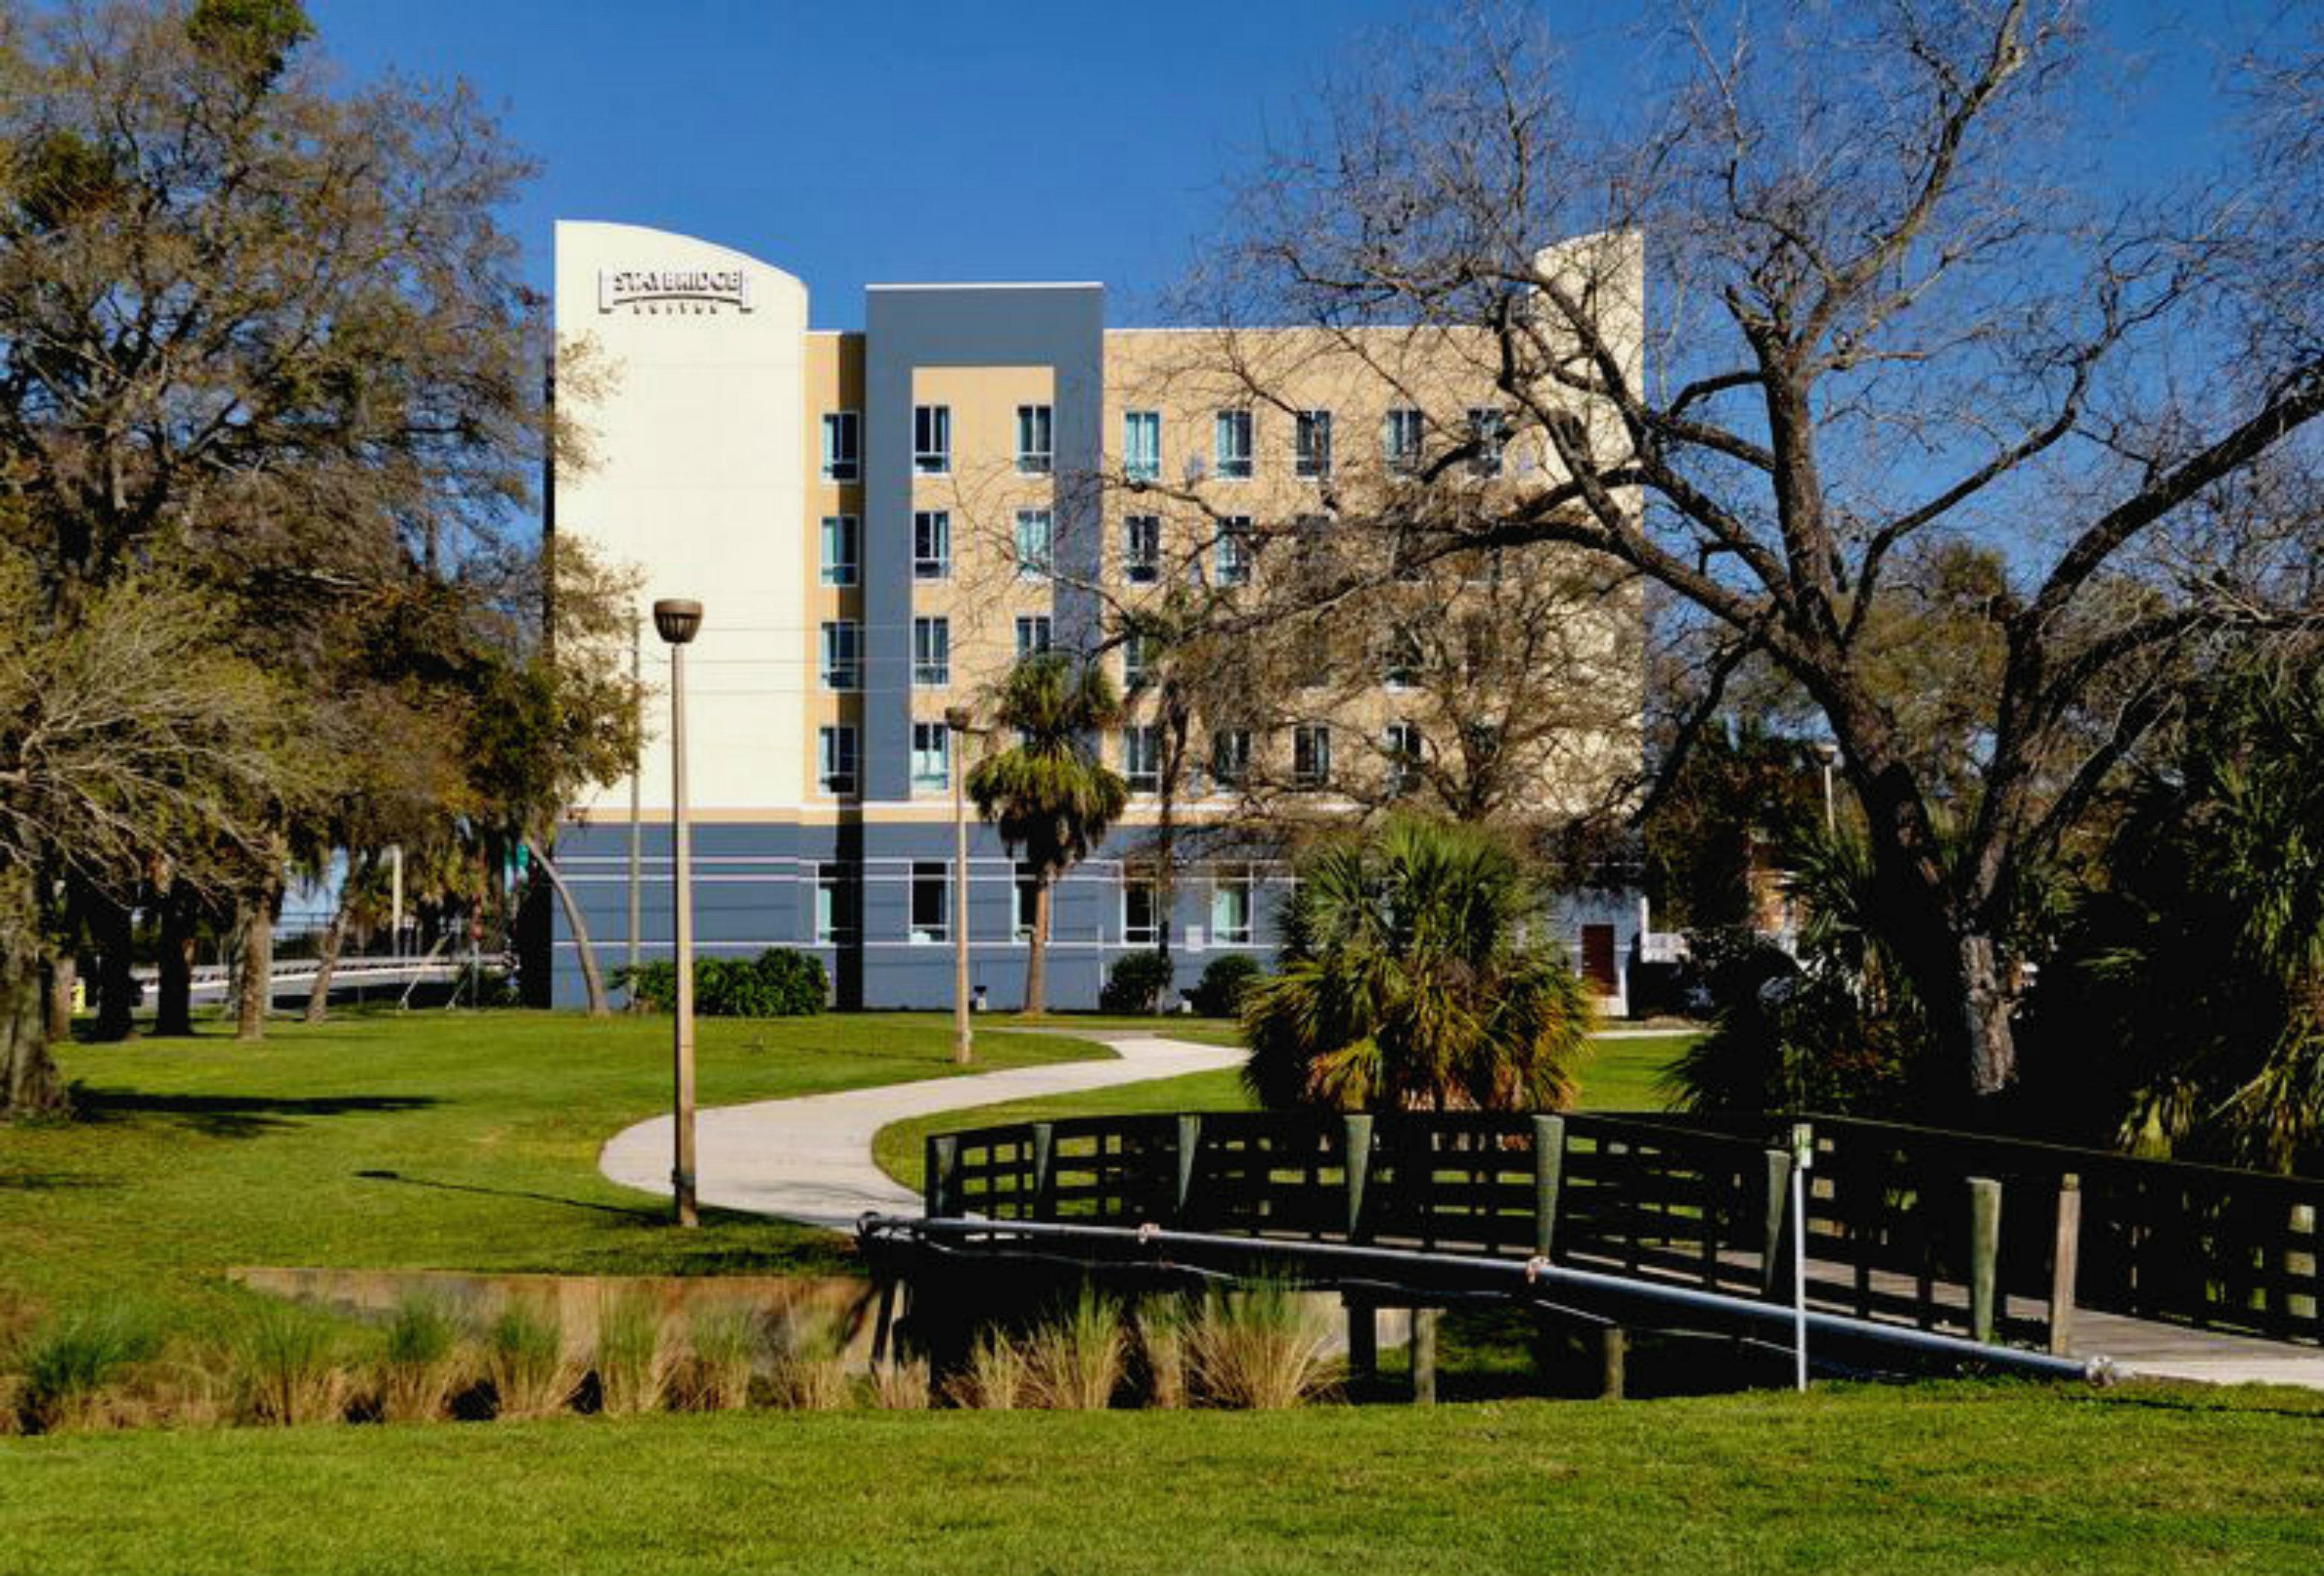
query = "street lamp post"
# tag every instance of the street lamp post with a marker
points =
(677, 621)
(964, 1037)
(1828, 753)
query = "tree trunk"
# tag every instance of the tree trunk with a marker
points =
(116, 976)
(255, 976)
(592, 981)
(1037, 951)
(173, 999)
(327, 963)
(30, 1084)
(64, 970)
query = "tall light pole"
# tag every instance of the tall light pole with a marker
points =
(677, 621)
(964, 1037)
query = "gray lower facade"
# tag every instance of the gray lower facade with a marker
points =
(847, 893)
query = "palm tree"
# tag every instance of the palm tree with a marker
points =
(1049, 795)
(1413, 975)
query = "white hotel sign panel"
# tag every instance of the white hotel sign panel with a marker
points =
(675, 291)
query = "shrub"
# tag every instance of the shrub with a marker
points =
(1220, 995)
(1074, 1362)
(67, 1361)
(1136, 982)
(423, 1362)
(525, 1360)
(778, 984)
(634, 1356)
(1263, 1347)
(994, 1378)
(898, 1387)
(285, 1367)
(722, 1349)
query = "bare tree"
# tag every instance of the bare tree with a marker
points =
(1846, 299)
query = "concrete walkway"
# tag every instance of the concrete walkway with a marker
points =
(810, 1158)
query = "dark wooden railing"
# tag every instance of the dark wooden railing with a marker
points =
(1894, 1219)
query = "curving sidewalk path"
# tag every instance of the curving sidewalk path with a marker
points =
(810, 1158)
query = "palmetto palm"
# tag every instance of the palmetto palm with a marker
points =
(1413, 975)
(1048, 794)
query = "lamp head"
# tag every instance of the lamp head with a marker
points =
(957, 718)
(1826, 751)
(676, 620)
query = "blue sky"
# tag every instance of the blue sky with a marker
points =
(1036, 139)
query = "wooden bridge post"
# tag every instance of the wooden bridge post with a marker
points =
(1772, 1231)
(942, 1167)
(1613, 1359)
(1984, 1255)
(1044, 1157)
(1356, 1166)
(1189, 1146)
(1548, 1180)
(1424, 1356)
(2065, 1263)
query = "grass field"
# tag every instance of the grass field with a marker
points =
(464, 1141)
(1620, 1076)
(1938, 1479)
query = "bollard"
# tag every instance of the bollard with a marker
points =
(1984, 1255)
(1424, 1356)
(2065, 1264)
(1613, 1357)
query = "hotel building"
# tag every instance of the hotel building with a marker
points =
(879, 524)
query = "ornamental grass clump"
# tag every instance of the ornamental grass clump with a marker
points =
(286, 1365)
(994, 1378)
(67, 1362)
(809, 1371)
(634, 1355)
(898, 1387)
(1264, 1347)
(524, 1357)
(1074, 1362)
(722, 1351)
(1163, 1326)
(426, 1360)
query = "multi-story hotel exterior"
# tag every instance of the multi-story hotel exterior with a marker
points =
(880, 523)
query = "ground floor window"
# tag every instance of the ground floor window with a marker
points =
(1141, 911)
(1230, 910)
(931, 900)
(1029, 902)
(834, 905)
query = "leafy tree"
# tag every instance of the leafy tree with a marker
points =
(1048, 794)
(1885, 322)
(1411, 976)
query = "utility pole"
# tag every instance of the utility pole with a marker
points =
(637, 768)
(963, 1035)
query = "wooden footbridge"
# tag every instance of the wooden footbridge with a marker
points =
(1924, 1249)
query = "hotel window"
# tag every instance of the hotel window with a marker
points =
(835, 752)
(1141, 911)
(1314, 444)
(931, 652)
(842, 446)
(1311, 756)
(1230, 910)
(1142, 444)
(931, 545)
(931, 756)
(1141, 548)
(1233, 443)
(1032, 635)
(1036, 444)
(1232, 551)
(931, 900)
(932, 440)
(835, 906)
(1137, 659)
(1489, 431)
(842, 654)
(1029, 902)
(1401, 439)
(1229, 757)
(1141, 757)
(1402, 745)
(841, 549)
(1032, 544)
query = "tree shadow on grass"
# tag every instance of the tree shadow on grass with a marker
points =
(232, 1116)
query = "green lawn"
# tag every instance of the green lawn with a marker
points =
(1618, 1076)
(464, 1141)
(1938, 1479)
